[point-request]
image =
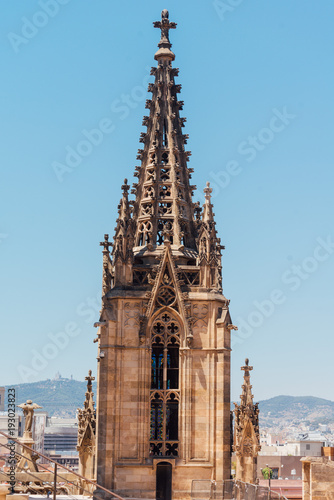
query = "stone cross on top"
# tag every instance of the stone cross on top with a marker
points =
(246, 368)
(165, 26)
(106, 243)
(125, 187)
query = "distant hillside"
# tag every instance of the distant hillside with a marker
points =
(292, 409)
(59, 397)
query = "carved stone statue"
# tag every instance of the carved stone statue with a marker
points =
(28, 458)
(28, 412)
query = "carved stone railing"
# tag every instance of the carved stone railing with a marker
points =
(231, 490)
(50, 478)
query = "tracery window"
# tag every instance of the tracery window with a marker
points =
(165, 396)
(144, 235)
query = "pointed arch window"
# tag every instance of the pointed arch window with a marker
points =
(144, 233)
(165, 396)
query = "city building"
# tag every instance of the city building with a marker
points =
(59, 439)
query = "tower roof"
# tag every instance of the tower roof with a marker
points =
(163, 212)
(163, 206)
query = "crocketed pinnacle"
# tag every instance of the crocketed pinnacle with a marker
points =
(123, 240)
(207, 209)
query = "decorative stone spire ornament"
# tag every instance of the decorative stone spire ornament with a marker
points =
(246, 443)
(87, 431)
(164, 44)
(107, 267)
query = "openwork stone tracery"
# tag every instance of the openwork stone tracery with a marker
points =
(165, 395)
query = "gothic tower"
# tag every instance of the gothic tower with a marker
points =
(246, 431)
(163, 407)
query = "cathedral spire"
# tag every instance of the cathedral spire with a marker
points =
(163, 213)
(163, 204)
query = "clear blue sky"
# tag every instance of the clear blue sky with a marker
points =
(257, 81)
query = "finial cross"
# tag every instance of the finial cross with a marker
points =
(165, 26)
(106, 243)
(125, 187)
(89, 381)
(246, 368)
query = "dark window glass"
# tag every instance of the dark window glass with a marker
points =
(156, 433)
(172, 417)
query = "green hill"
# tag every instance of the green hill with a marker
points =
(60, 397)
(293, 409)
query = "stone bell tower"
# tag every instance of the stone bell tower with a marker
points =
(163, 408)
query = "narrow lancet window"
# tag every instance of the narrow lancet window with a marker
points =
(165, 136)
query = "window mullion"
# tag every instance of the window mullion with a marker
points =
(165, 369)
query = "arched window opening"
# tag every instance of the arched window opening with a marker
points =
(164, 158)
(164, 422)
(141, 240)
(164, 135)
(183, 234)
(144, 236)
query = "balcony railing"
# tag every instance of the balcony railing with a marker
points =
(231, 490)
